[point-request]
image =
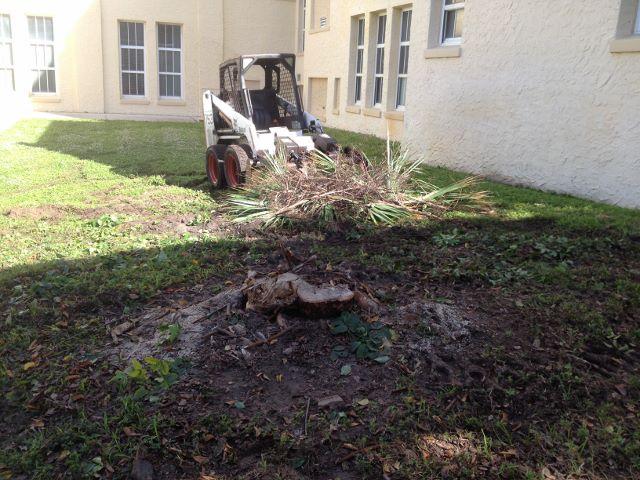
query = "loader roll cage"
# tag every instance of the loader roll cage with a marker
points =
(278, 104)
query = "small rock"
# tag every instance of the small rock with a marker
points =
(330, 401)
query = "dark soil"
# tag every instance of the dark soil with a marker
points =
(513, 355)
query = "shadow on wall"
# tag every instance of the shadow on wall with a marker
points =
(172, 151)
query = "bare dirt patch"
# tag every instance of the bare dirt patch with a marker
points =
(43, 212)
(279, 364)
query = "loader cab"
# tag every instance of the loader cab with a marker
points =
(264, 89)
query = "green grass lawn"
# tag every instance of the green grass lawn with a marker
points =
(97, 218)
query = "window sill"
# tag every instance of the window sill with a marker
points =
(394, 115)
(625, 44)
(319, 30)
(43, 98)
(353, 109)
(372, 112)
(443, 52)
(171, 103)
(134, 101)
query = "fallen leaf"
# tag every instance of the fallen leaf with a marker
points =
(345, 370)
(364, 402)
(130, 432)
(37, 423)
(29, 366)
(200, 459)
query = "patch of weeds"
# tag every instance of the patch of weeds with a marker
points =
(446, 240)
(150, 378)
(198, 219)
(106, 221)
(368, 340)
(171, 333)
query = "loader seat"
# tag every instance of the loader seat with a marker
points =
(265, 108)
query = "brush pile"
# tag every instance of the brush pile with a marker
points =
(328, 190)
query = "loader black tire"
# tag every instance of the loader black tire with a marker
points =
(236, 165)
(214, 163)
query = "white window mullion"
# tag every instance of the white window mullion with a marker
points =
(378, 75)
(132, 59)
(170, 60)
(303, 25)
(359, 61)
(42, 45)
(403, 59)
(452, 21)
(7, 82)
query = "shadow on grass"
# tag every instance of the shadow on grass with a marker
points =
(173, 151)
(120, 279)
(543, 265)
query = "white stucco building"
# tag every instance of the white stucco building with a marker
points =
(540, 93)
(534, 92)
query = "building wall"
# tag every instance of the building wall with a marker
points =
(536, 97)
(88, 54)
(328, 54)
(537, 94)
(202, 47)
(77, 51)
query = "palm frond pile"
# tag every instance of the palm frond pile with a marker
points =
(341, 190)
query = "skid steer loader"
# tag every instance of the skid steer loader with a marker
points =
(243, 126)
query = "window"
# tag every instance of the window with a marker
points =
(303, 25)
(336, 94)
(403, 62)
(357, 98)
(6, 55)
(132, 59)
(637, 29)
(378, 74)
(43, 66)
(170, 60)
(452, 21)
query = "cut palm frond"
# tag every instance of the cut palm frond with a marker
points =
(340, 189)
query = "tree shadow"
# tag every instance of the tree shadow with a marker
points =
(173, 151)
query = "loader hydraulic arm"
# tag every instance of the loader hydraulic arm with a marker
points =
(213, 106)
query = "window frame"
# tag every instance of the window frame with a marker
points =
(358, 91)
(303, 26)
(444, 41)
(181, 51)
(379, 59)
(403, 43)
(43, 43)
(636, 30)
(8, 41)
(144, 60)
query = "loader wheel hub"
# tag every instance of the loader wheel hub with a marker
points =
(212, 163)
(233, 174)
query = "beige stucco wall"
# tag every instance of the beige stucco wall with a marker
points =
(536, 98)
(88, 57)
(202, 47)
(77, 51)
(265, 26)
(328, 54)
